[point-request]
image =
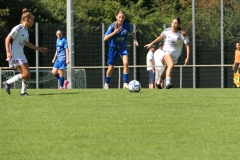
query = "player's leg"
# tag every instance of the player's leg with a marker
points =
(23, 67)
(62, 67)
(235, 73)
(61, 78)
(157, 79)
(112, 57)
(170, 64)
(150, 79)
(124, 54)
(24, 83)
(55, 69)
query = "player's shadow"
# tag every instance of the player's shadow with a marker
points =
(49, 94)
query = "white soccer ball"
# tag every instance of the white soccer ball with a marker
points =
(134, 86)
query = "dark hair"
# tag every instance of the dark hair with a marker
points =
(184, 33)
(26, 14)
(160, 44)
(116, 23)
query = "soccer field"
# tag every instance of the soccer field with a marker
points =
(114, 124)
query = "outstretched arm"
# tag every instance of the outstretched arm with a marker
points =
(155, 41)
(32, 46)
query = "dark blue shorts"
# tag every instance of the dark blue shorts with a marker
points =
(60, 64)
(113, 53)
(151, 77)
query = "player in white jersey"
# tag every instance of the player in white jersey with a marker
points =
(159, 65)
(14, 43)
(174, 39)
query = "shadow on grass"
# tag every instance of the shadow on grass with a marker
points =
(48, 94)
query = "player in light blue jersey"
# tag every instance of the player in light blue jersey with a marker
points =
(116, 35)
(61, 59)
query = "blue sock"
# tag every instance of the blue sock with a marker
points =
(107, 79)
(61, 81)
(57, 76)
(125, 77)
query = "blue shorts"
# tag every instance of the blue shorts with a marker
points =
(113, 53)
(60, 64)
(151, 77)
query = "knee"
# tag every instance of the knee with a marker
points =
(125, 63)
(26, 76)
(54, 73)
(170, 65)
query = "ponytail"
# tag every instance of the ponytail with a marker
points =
(25, 14)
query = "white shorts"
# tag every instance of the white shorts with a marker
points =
(159, 71)
(18, 62)
(175, 58)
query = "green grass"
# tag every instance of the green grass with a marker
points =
(200, 124)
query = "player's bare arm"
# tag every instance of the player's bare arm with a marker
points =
(32, 46)
(155, 41)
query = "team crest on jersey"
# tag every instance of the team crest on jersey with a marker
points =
(178, 38)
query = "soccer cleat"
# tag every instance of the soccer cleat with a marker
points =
(24, 94)
(125, 86)
(7, 87)
(60, 88)
(158, 86)
(105, 86)
(170, 85)
(65, 84)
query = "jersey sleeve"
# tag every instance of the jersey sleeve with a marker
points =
(109, 30)
(130, 30)
(14, 31)
(186, 40)
(149, 55)
(65, 44)
(163, 34)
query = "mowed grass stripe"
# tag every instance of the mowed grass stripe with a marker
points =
(117, 124)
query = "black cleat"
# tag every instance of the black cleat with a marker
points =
(24, 94)
(7, 87)
(158, 86)
(170, 85)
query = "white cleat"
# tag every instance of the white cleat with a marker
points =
(106, 86)
(125, 86)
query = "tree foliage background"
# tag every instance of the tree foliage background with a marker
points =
(152, 13)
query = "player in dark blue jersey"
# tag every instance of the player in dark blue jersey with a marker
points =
(116, 35)
(61, 59)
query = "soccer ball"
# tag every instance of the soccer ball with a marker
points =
(134, 86)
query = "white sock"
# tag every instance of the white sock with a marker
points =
(14, 79)
(159, 81)
(24, 86)
(168, 80)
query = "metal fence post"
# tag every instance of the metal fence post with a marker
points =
(134, 55)
(37, 54)
(103, 55)
(222, 44)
